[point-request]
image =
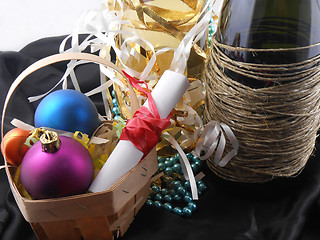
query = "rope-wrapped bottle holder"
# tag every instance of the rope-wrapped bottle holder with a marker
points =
(276, 126)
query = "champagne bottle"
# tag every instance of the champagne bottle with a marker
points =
(271, 112)
(269, 24)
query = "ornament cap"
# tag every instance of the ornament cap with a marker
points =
(50, 142)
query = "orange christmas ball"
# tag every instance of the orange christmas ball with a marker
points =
(13, 147)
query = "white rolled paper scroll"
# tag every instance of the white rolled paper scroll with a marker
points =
(169, 89)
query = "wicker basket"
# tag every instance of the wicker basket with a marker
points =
(102, 215)
(93, 215)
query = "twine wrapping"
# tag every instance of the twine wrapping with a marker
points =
(276, 126)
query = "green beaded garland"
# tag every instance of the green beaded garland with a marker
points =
(173, 188)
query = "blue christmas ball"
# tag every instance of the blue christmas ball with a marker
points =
(67, 110)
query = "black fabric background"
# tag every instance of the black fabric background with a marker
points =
(284, 209)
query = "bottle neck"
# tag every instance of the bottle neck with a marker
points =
(270, 24)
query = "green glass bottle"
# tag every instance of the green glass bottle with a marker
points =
(269, 24)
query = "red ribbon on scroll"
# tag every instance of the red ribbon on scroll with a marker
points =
(146, 126)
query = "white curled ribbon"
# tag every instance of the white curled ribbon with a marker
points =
(103, 26)
(212, 139)
(20, 124)
(185, 165)
(182, 53)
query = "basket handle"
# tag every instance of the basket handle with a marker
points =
(54, 59)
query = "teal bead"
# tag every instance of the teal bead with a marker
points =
(168, 171)
(195, 167)
(188, 194)
(199, 182)
(192, 206)
(198, 162)
(115, 111)
(187, 199)
(164, 191)
(176, 158)
(189, 156)
(172, 192)
(155, 188)
(167, 198)
(114, 102)
(181, 191)
(161, 166)
(157, 204)
(177, 167)
(113, 94)
(211, 30)
(167, 206)
(176, 184)
(186, 212)
(177, 211)
(149, 202)
(186, 185)
(172, 161)
(158, 197)
(168, 163)
(117, 117)
(194, 158)
(177, 198)
(202, 187)
(160, 159)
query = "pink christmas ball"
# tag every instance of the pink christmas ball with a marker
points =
(68, 171)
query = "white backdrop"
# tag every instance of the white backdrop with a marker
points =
(24, 21)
